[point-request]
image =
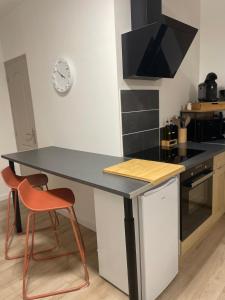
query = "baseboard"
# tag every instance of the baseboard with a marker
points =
(3, 197)
(81, 221)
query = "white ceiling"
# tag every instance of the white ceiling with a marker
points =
(7, 5)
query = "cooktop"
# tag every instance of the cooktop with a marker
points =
(173, 155)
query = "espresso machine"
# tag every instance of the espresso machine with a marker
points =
(207, 91)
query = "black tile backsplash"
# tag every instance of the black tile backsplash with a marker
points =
(140, 119)
(144, 120)
(140, 141)
(136, 100)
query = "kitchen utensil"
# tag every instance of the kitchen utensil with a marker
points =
(176, 121)
(187, 121)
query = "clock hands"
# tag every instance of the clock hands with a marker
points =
(61, 74)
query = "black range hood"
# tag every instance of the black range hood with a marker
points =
(157, 44)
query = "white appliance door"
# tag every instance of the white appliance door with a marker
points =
(159, 237)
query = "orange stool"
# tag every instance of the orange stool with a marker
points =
(13, 181)
(49, 201)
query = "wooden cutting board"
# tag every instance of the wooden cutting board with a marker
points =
(151, 171)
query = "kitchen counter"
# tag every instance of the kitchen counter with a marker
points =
(216, 142)
(83, 167)
(87, 168)
(211, 150)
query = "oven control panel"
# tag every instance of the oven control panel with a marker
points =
(205, 166)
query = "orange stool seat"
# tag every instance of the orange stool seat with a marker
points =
(49, 200)
(12, 181)
(46, 201)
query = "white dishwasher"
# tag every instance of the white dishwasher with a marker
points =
(159, 237)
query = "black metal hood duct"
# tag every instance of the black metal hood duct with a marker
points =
(157, 44)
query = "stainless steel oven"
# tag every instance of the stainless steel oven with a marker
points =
(196, 197)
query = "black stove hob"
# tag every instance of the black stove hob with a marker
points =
(173, 155)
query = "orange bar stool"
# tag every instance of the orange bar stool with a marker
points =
(36, 202)
(13, 181)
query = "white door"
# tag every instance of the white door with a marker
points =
(21, 103)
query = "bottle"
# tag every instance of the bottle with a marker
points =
(173, 130)
(167, 131)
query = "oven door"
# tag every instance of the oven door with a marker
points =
(196, 202)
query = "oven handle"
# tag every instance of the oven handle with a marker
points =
(201, 180)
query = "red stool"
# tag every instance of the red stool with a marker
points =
(49, 201)
(13, 181)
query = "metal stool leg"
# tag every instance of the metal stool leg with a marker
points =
(27, 256)
(78, 229)
(56, 222)
(34, 254)
(27, 259)
(10, 229)
(77, 235)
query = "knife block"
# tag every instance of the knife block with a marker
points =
(169, 144)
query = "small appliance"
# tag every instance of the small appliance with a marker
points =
(207, 91)
(222, 95)
(207, 129)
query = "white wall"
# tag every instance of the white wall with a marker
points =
(183, 88)
(212, 40)
(7, 139)
(88, 117)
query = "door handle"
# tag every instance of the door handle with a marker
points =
(201, 180)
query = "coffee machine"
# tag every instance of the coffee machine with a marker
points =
(207, 91)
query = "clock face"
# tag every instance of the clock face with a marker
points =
(62, 77)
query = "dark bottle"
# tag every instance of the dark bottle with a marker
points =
(167, 132)
(173, 130)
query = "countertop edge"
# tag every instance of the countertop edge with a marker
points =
(211, 150)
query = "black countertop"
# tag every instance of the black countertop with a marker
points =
(87, 168)
(188, 155)
(216, 142)
(82, 167)
(210, 150)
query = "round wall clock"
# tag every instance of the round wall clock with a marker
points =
(62, 77)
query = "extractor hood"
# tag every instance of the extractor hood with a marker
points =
(157, 44)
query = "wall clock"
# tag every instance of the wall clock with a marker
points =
(62, 76)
